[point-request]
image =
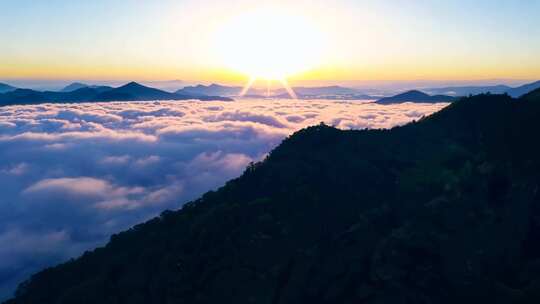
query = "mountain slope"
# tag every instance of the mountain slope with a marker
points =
(445, 210)
(27, 96)
(77, 85)
(415, 96)
(533, 95)
(135, 91)
(4, 88)
(23, 96)
(524, 89)
(74, 86)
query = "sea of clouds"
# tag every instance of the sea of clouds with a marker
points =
(73, 174)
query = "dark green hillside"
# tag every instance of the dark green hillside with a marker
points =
(533, 95)
(444, 210)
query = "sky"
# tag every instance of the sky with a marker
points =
(205, 40)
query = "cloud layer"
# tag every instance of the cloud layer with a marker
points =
(73, 174)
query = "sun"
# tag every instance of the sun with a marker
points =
(269, 44)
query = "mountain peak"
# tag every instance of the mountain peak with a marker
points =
(74, 86)
(414, 92)
(415, 96)
(132, 84)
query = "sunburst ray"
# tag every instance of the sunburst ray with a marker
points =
(288, 88)
(283, 82)
(247, 86)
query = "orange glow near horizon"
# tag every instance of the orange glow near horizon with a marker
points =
(298, 41)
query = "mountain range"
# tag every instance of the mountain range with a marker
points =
(213, 89)
(456, 92)
(337, 92)
(468, 90)
(415, 96)
(524, 89)
(443, 210)
(79, 92)
(77, 85)
(74, 86)
(474, 90)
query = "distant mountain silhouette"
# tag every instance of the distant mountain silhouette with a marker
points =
(444, 210)
(4, 88)
(415, 96)
(27, 96)
(77, 85)
(524, 89)
(100, 89)
(213, 89)
(328, 92)
(74, 86)
(468, 90)
(24, 96)
(129, 92)
(474, 90)
(135, 91)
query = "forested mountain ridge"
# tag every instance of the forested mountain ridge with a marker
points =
(78, 92)
(443, 210)
(415, 96)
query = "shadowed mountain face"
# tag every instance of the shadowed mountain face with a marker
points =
(444, 210)
(4, 88)
(129, 92)
(415, 96)
(534, 95)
